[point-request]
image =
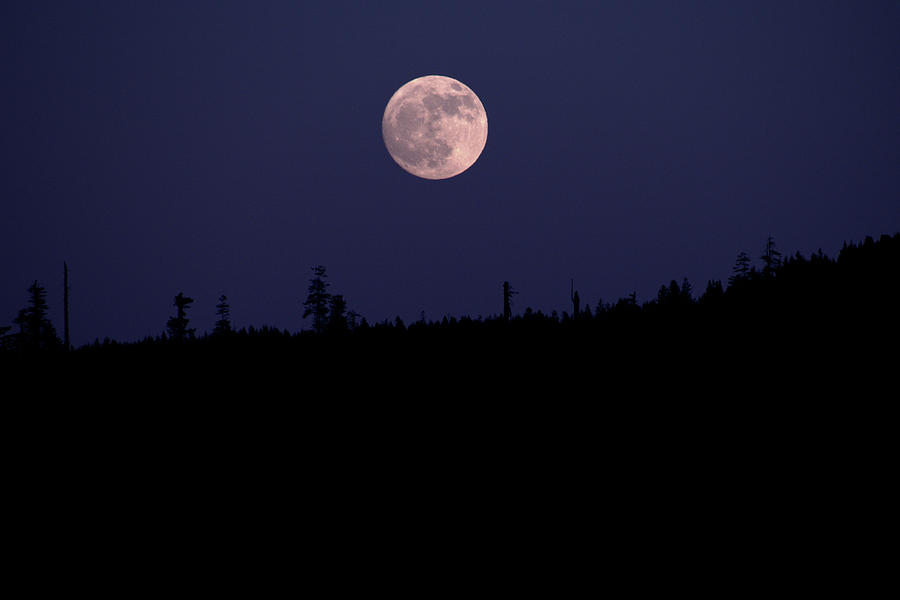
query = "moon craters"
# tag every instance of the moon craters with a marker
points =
(434, 127)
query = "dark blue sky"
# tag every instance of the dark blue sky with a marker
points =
(228, 147)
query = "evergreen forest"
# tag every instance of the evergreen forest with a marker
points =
(774, 308)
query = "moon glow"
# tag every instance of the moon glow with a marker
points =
(435, 127)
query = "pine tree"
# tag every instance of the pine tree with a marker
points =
(317, 299)
(687, 290)
(672, 295)
(664, 294)
(178, 325)
(352, 319)
(741, 268)
(713, 294)
(36, 332)
(771, 257)
(223, 312)
(337, 316)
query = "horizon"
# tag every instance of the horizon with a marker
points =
(559, 312)
(228, 148)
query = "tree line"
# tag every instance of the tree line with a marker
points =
(778, 291)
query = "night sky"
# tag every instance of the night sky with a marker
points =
(227, 147)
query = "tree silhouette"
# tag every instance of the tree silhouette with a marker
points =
(668, 295)
(353, 319)
(36, 332)
(337, 317)
(713, 294)
(317, 299)
(177, 325)
(223, 312)
(771, 257)
(852, 298)
(674, 297)
(686, 292)
(741, 268)
(664, 294)
(508, 293)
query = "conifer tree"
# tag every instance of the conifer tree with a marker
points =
(178, 325)
(713, 293)
(337, 317)
(663, 295)
(317, 299)
(687, 290)
(673, 295)
(36, 332)
(741, 268)
(223, 312)
(771, 257)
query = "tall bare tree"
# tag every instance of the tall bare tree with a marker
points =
(508, 293)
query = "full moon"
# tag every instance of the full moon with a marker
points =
(434, 127)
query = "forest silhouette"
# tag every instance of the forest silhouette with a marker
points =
(741, 407)
(771, 311)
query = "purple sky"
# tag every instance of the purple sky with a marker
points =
(228, 147)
